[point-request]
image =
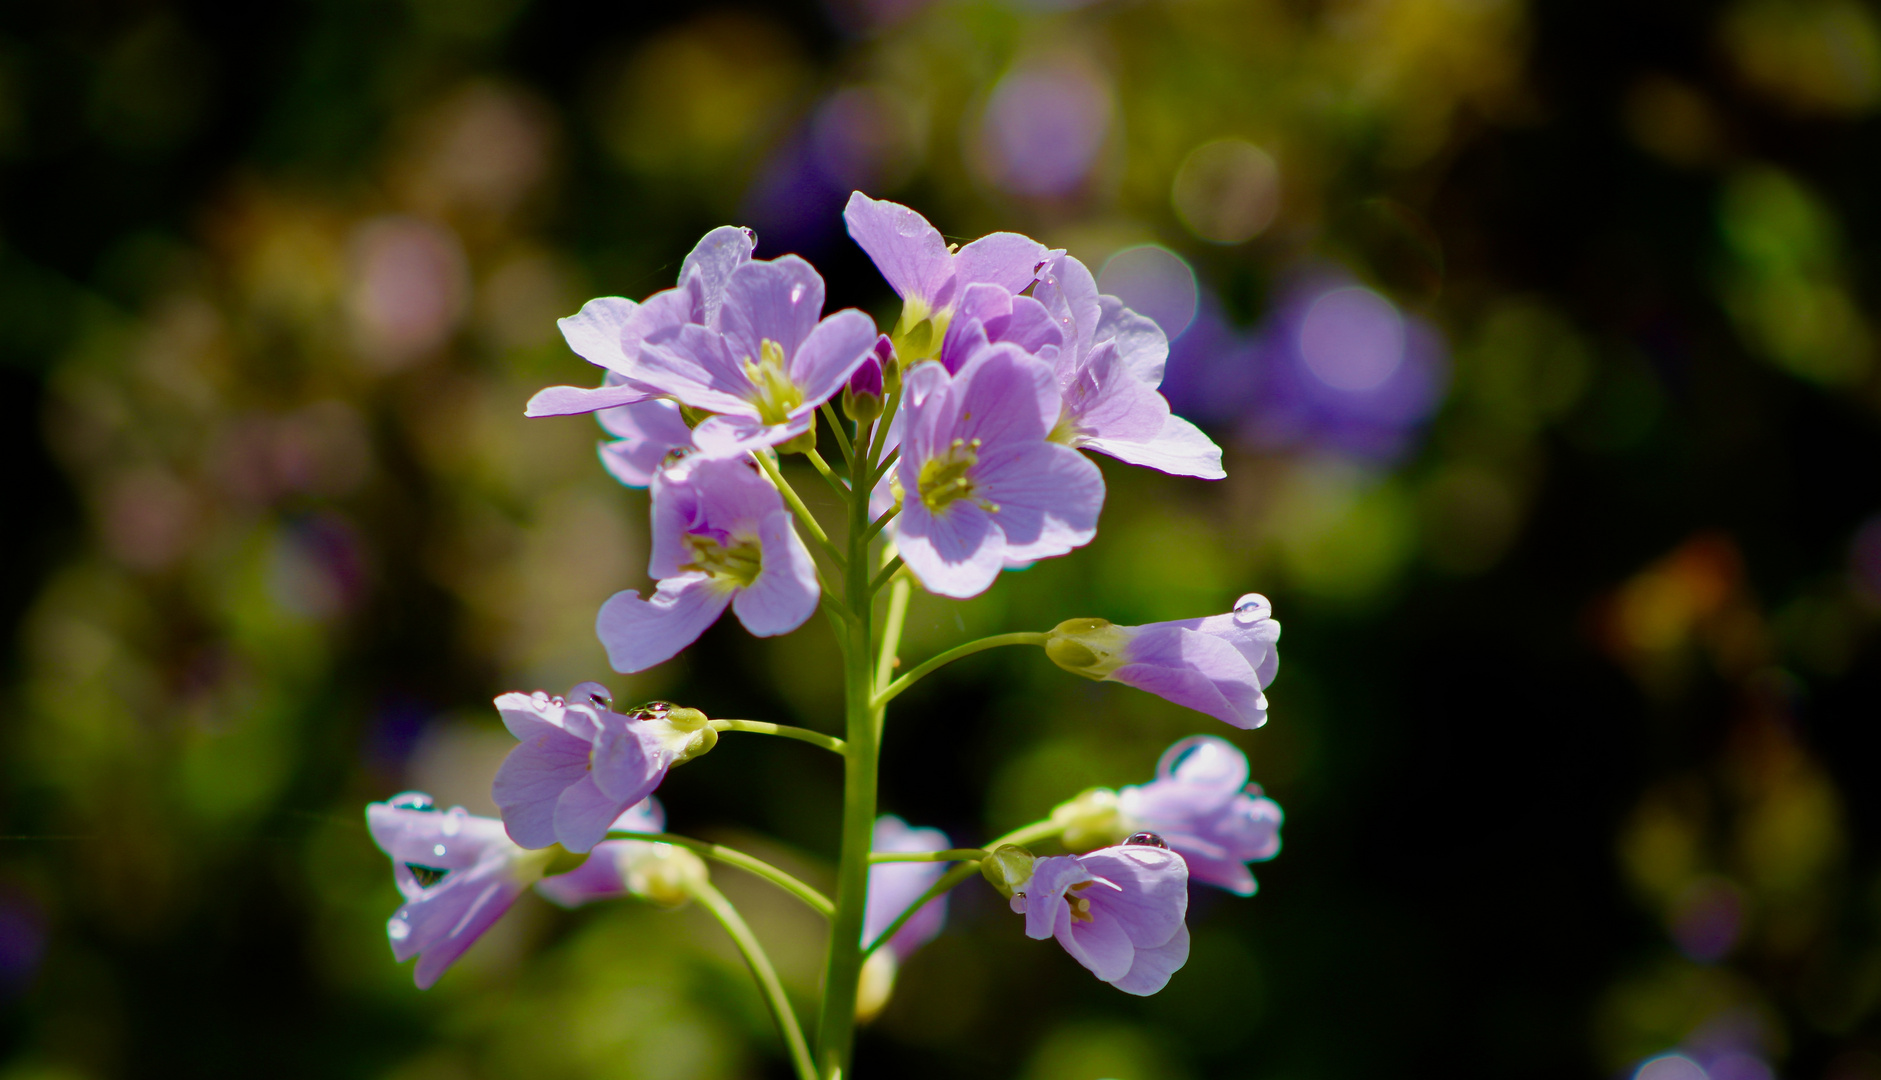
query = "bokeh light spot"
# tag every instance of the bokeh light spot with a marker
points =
(1155, 282)
(1227, 191)
(1670, 1067)
(1044, 126)
(1352, 339)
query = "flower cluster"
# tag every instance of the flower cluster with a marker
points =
(964, 453)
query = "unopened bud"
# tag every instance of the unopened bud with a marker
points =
(862, 398)
(876, 985)
(688, 732)
(665, 874)
(1092, 820)
(1008, 869)
(1092, 648)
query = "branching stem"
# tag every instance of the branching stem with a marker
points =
(760, 727)
(714, 901)
(733, 857)
(894, 689)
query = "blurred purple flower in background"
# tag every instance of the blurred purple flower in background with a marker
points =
(22, 941)
(1336, 366)
(893, 886)
(1044, 125)
(1202, 804)
(1119, 911)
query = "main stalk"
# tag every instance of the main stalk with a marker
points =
(842, 970)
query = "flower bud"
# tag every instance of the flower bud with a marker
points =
(665, 874)
(1008, 868)
(802, 443)
(862, 398)
(1092, 820)
(1092, 648)
(876, 984)
(688, 732)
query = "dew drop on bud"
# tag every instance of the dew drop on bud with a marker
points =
(652, 710)
(1251, 609)
(411, 800)
(1147, 839)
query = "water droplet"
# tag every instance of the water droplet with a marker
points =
(652, 710)
(438, 850)
(593, 693)
(1252, 608)
(398, 929)
(411, 800)
(427, 876)
(674, 456)
(1147, 839)
(454, 820)
(540, 699)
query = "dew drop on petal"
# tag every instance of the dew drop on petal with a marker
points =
(1147, 839)
(454, 821)
(1251, 609)
(411, 800)
(397, 929)
(438, 850)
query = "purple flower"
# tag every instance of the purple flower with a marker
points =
(580, 764)
(646, 432)
(893, 886)
(721, 536)
(609, 331)
(768, 363)
(458, 873)
(980, 486)
(1218, 665)
(1117, 910)
(1203, 806)
(617, 868)
(928, 275)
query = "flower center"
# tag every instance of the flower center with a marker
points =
(944, 478)
(775, 395)
(1080, 907)
(738, 564)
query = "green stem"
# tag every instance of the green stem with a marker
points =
(891, 631)
(760, 727)
(733, 857)
(881, 428)
(887, 464)
(971, 854)
(894, 689)
(810, 524)
(880, 523)
(842, 437)
(1038, 830)
(714, 901)
(882, 578)
(829, 476)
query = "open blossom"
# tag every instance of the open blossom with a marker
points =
(931, 277)
(721, 537)
(579, 764)
(892, 887)
(662, 873)
(767, 364)
(1202, 804)
(458, 873)
(1119, 911)
(609, 331)
(981, 488)
(1218, 665)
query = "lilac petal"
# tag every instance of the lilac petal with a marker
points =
(625, 769)
(1151, 969)
(584, 812)
(1151, 895)
(1049, 497)
(532, 778)
(1004, 395)
(663, 311)
(965, 338)
(1179, 449)
(785, 593)
(1031, 327)
(1106, 401)
(647, 815)
(1102, 945)
(1186, 688)
(1140, 341)
(414, 836)
(715, 257)
(648, 432)
(987, 303)
(1069, 293)
(492, 896)
(1045, 907)
(833, 351)
(1220, 871)
(639, 634)
(675, 510)
(575, 400)
(907, 250)
(736, 436)
(1200, 671)
(594, 332)
(1205, 761)
(1008, 260)
(599, 878)
(776, 301)
(893, 886)
(956, 553)
(695, 365)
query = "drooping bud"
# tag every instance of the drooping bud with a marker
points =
(1092, 648)
(1008, 868)
(688, 732)
(665, 874)
(862, 398)
(1092, 820)
(876, 984)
